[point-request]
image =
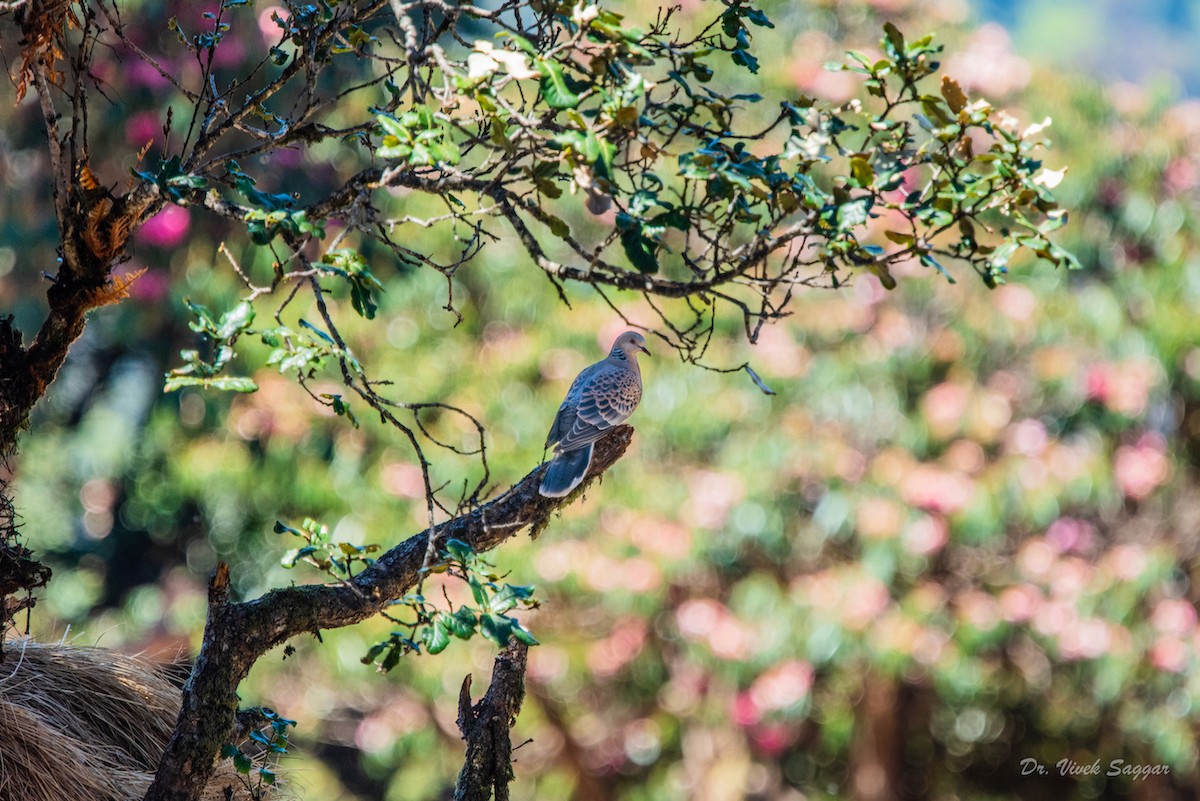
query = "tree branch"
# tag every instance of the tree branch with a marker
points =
(485, 726)
(237, 634)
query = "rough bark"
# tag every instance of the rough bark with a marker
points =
(237, 634)
(487, 768)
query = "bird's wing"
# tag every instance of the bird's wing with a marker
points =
(605, 399)
(565, 417)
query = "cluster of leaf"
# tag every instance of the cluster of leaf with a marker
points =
(434, 628)
(322, 552)
(255, 761)
(713, 197)
(219, 335)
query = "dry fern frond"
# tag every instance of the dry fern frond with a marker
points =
(87, 178)
(92, 237)
(115, 291)
(43, 42)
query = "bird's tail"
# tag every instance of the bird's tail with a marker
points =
(566, 472)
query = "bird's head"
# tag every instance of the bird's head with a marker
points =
(628, 345)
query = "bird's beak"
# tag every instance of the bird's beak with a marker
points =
(646, 351)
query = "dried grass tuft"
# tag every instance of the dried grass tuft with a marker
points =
(78, 722)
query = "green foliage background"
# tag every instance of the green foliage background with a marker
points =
(967, 514)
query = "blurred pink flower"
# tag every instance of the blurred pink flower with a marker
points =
(863, 601)
(1070, 577)
(1026, 437)
(704, 619)
(879, 518)
(745, 712)
(268, 27)
(925, 535)
(1127, 562)
(986, 63)
(943, 407)
(1174, 617)
(1017, 303)
(772, 739)
(712, 495)
(931, 645)
(167, 228)
(782, 685)
(1141, 468)
(1035, 558)
(139, 73)
(151, 286)
(142, 127)
(1053, 617)
(1168, 653)
(781, 355)
(934, 489)
(1020, 602)
(548, 664)
(1123, 387)
(621, 647)
(1087, 639)
(403, 479)
(1067, 535)
(979, 609)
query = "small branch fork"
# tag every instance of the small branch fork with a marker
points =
(238, 634)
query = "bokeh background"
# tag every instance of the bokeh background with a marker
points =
(962, 535)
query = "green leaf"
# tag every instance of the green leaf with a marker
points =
(233, 384)
(236, 320)
(496, 628)
(462, 623)
(639, 250)
(555, 86)
(523, 634)
(437, 636)
(458, 550)
(478, 592)
(862, 172)
(895, 39)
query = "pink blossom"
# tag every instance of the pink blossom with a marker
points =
(1068, 534)
(934, 489)
(1020, 602)
(879, 518)
(978, 609)
(1127, 562)
(1035, 558)
(1174, 617)
(987, 63)
(926, 535)
(772, 739)
(1087, 639)
(142, 127)
(1170, 654)
(712, 495)
(1141, 468)
(944, 406)
(167, 228)
(1054, 617)
(864, 601)
(782, 686)
(609, 655)
(151, 286)
(1026, 437)
(745, 712)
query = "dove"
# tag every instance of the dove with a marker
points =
(600, 397)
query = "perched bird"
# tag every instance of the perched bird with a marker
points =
(602, 396)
